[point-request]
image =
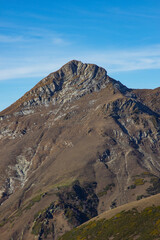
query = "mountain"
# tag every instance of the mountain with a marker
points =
(77, 144)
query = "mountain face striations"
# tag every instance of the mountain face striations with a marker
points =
(77, 144)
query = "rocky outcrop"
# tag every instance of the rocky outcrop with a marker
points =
(71, 82)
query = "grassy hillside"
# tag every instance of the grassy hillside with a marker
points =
(137, 223)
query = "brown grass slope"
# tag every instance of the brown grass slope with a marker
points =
(135, 220)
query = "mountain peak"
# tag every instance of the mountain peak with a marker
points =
(73, 63)
(78, 68)
(72, 81)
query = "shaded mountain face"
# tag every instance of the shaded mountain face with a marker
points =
(74, 146)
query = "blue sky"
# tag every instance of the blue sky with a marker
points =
(37, 37)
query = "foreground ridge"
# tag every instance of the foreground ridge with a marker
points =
(138, 220)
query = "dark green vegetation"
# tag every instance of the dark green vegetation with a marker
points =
(77, 203)
(126, 225)
(34, 200)
(80, 203)
(139, 181)
(155, 187)
(106, 189)
(42, 225)
(143, 178)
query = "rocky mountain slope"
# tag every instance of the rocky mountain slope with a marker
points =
(77, 144)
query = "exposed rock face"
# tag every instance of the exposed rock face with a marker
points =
(75, 145)
(72, 81)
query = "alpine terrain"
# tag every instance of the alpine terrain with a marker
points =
(76, 145)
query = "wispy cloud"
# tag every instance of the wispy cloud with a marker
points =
(134, 13)
(60, 41)
(113, 61)
(27, 71)
(116, 11)
(127, 60)
(12, 33)
(10, 39)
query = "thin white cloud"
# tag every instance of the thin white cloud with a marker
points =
(10, 39)
(127, 60)
(60, 41)
(136, 13)
(113, 61)
(27, 71)
(32, 34)
(132, 13)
